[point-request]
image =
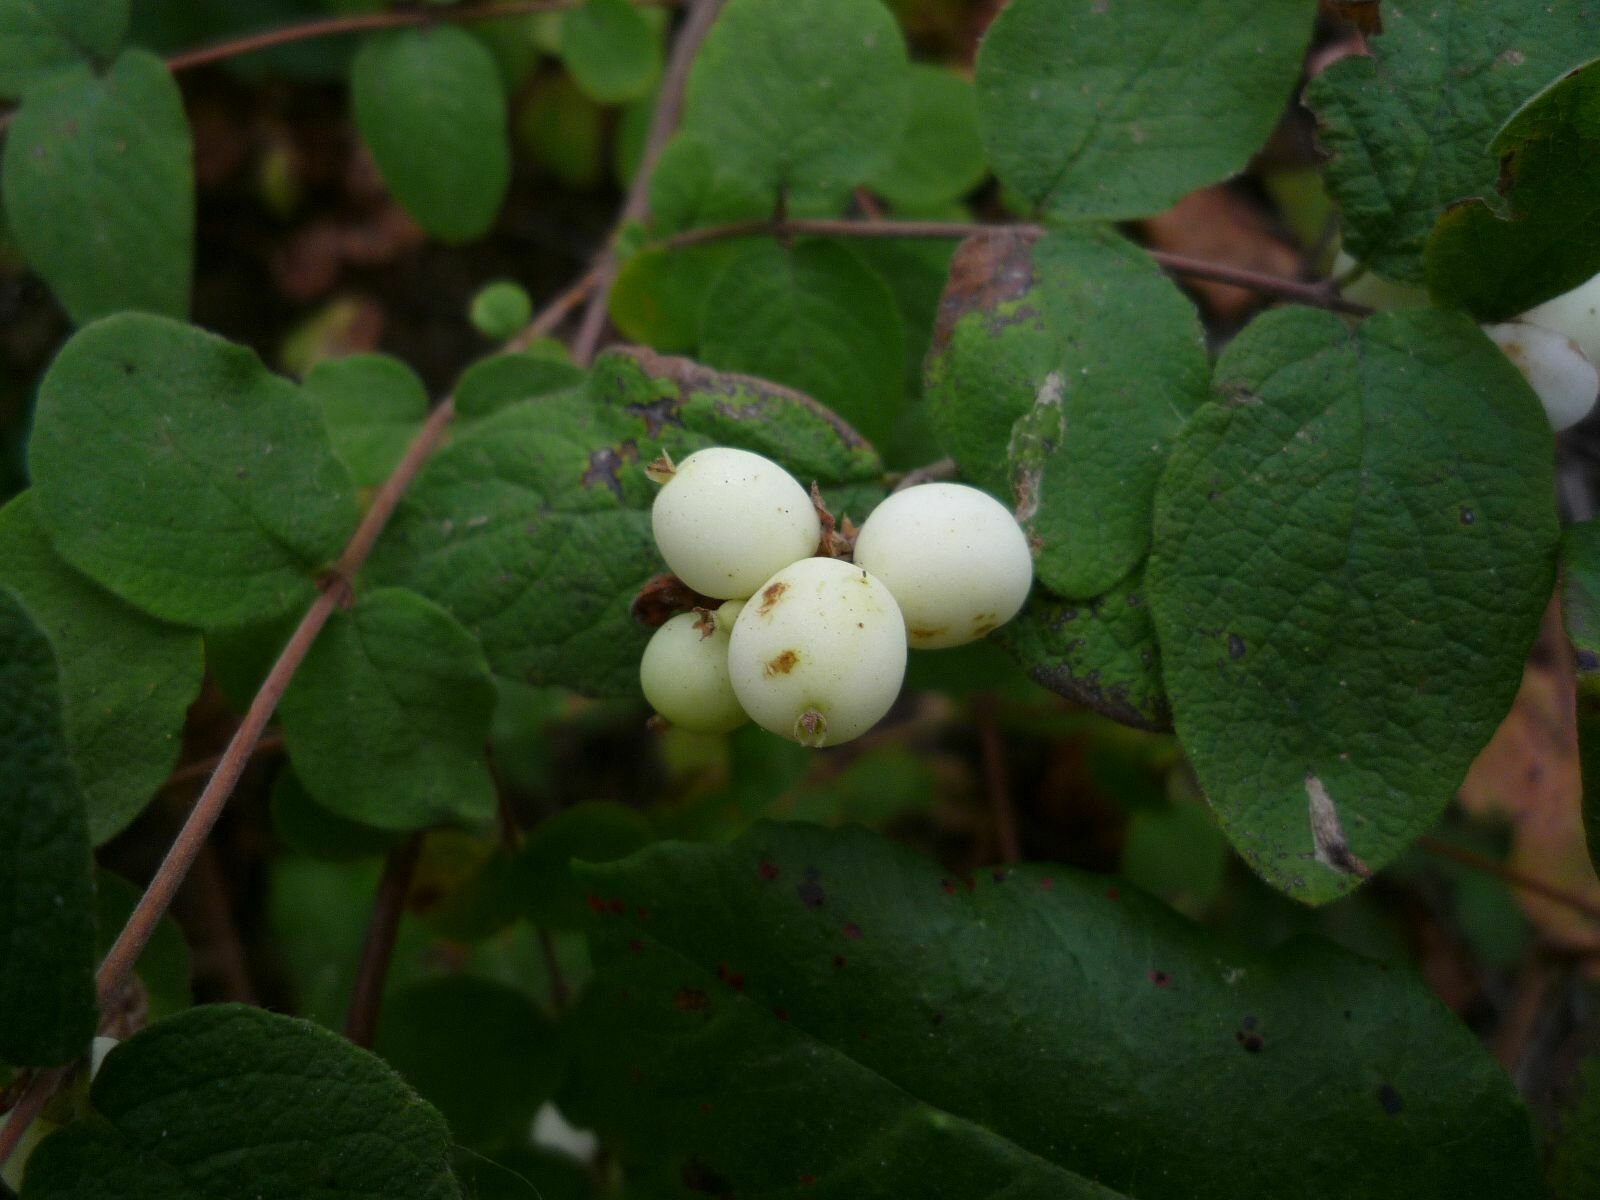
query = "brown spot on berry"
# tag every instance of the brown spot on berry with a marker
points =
(921, 633)
(770, 595)
(781, 665)
(983, 629)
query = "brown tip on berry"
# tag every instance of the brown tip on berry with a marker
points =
(811, 728)
(662, 469)
(706, 622)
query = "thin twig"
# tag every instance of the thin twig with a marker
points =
(934, 472)
(1317, 294)
(669, 102)
(554, 312)
(1521, 1017)
(1528, 883)
(269, 744)
(404, 18)
(996, 782)
(40, 1087)
(361, 1022)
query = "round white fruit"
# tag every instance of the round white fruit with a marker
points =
(1377, 291)
(727, 520)
(819, 653)
(954, 559)
(1562, 376)
(1576, 314)
(684, 671)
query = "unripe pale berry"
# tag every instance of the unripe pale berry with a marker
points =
(1565, 380)
(954, 559)
(819, 653)
(1576, 314)
(726, 520)
(684, 671)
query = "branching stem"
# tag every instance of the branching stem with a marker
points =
(1319, 295)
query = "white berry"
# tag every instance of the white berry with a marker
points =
(1576, 314)
(684, 671)
(1565, 380)
(954, 559)
(727, 520)
(819, 653)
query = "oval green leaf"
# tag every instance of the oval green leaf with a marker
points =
(430, 105)
(98, 183)
(611, 49)
(812, 1013)
(815, 317)
(387, 719)
(227, 1100)
(46, 891)
(126, 679)
(1354, 543)
(171, 467)
(1117, 109)
(803, 98)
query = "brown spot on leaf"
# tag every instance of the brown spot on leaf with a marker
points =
(987, 270)
(691, 1000)
(767, 871)
(606, 462)
(697, 1176)
(781, 665)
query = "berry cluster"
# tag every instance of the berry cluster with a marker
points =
(807, 643)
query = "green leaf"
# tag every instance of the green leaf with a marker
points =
(815, 317)
(163, 967)
(501, 309)
(1127, 365)
(126, 680)
(46, 893)
(532, 526)
(563, 131)
(1100, 653)
(1574, 1170)
(657, 296)
(373, 406)
(40, 37)
(1497, 266)
(173, 468)
(861, 1027)
(690, 187)
(431, 107)
(804, 98)
(598, 831)
(1580, 605)
(227, 1100)
(611, 50)
(1119, 109)
(501, 380)
(939, 157)
(1409, 124)
(98, 184)
(1353, 547)
(479, 1051)
(314, 830)
(387, 718)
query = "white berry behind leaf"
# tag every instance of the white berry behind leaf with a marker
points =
(819, 652)
(727, 520)
(1557, 370)
(1576, 314)
(954, 559)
